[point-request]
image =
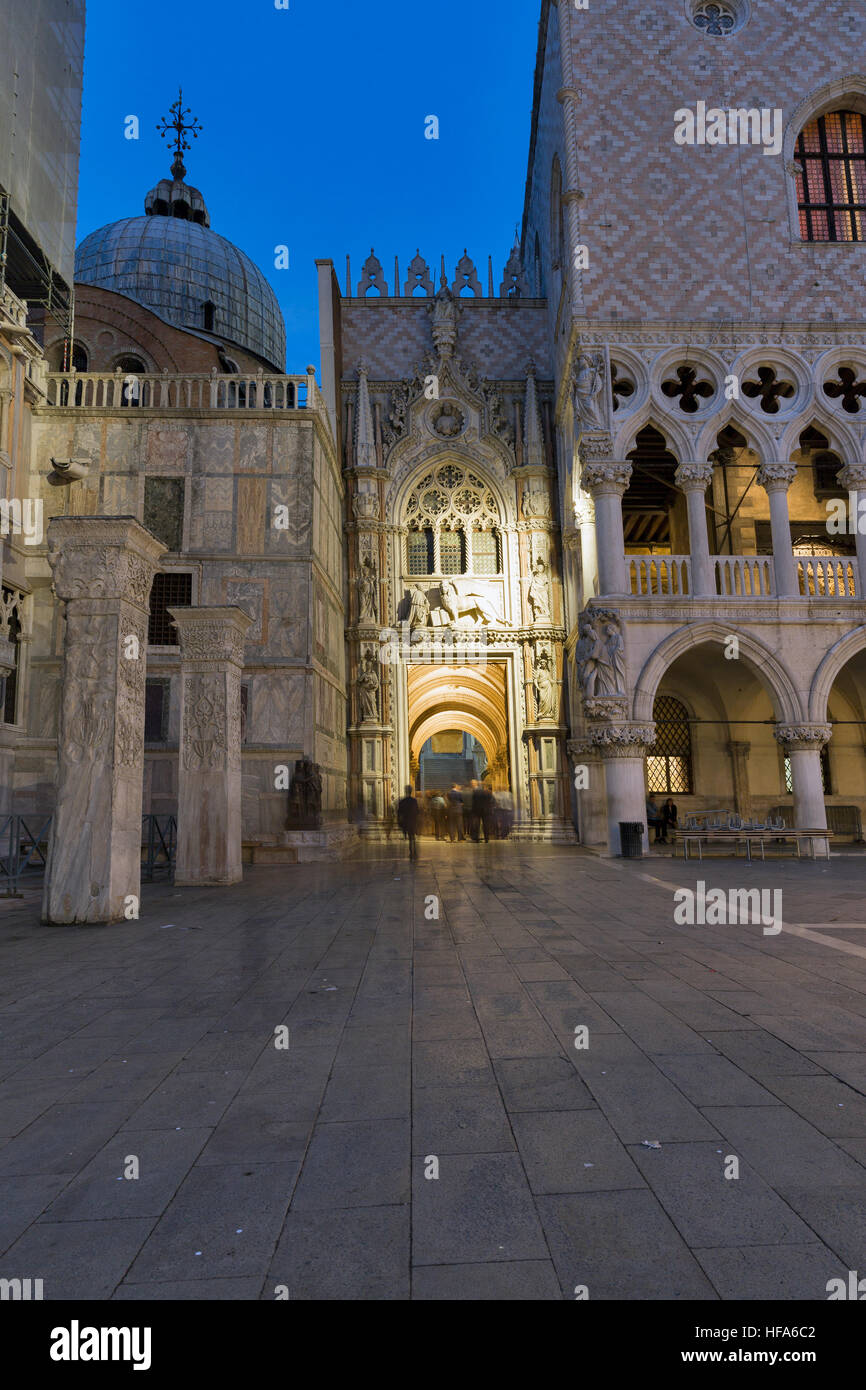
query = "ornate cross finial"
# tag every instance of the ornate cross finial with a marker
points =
(181, 129)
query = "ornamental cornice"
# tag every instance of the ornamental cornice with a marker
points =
(595, 447)
(605, 707)
(737, 337)
(803, 737)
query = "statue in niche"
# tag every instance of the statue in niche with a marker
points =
(368, 690)
(536, 503)
(546, 687)
(419, 609)
(368, 605)
(305, 796)
(588, 389)
(445, 310)
(539, 592)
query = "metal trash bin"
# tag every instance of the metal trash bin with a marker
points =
(631, 839)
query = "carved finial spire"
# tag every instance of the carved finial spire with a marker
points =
(365, 441)
(181, 129)
(533, 440)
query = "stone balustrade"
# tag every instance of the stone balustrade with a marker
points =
(167, 391)
(828, 576)
(743, 576)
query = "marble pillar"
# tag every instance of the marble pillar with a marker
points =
(606, 482)
(740, 773)
(623, 752)
(693, 479)
(587, 767)
(776, 478)
(803, 744)
(853, 477)
(209, 837)
(103, 569)
(584, 517)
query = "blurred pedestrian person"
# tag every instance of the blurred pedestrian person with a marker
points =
(440, 815)
(408, 813)
(455, 813)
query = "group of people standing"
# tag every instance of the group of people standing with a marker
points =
(461, 813)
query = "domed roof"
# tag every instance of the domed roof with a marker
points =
(191, 277)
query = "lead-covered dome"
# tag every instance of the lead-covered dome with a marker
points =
(191, 277)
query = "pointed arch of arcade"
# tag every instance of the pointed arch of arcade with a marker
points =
(753, 653)
(458, 697)
(831, 667)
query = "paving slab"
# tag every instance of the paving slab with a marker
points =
(354, 1253)
(479, 1209)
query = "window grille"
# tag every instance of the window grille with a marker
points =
(169, 591)
(669, 760)
(831, 190)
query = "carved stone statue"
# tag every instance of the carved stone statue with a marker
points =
(445, 311)
(536, 503)
(305, 797)
(611, 670)
(419, 611)
(600, 655)
(538, 593)
(368, 597)
(546, 687)
(469, 604)
(589, 391)
(368, 690)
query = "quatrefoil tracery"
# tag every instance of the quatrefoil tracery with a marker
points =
(769, 390)
(847, 390)
(689, 390)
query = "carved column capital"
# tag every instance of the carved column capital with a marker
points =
(694, 477)
(777, 476)
(213, 635)
(103, 558)
(604, 476)
(853, 477)
(626, 740)
(802, 737)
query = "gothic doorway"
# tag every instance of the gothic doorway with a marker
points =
(469, 702)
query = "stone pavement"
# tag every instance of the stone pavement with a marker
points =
(414, 1040)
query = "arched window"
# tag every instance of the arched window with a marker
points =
(79, 358)
(831, 190)
(442, 510)
(669, 760)
(209, 315)
(539, 269)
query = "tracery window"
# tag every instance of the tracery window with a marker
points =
(831, 190)
(669, 760)
(452, 517)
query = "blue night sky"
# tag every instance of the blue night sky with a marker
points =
(313, 129)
